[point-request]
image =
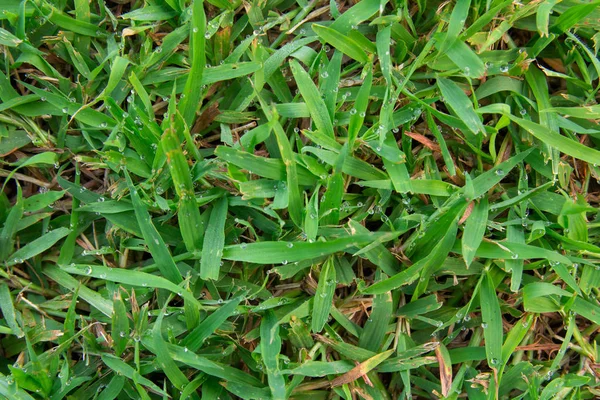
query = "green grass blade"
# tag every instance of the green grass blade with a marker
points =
(38, 246)
(154, 241)
(90, 296)
(341, 42)
(214, 240)
(196, 338)
(572, 16)
(130, 277)
(492, 322)
(282, 252)
(223, 371)
(474, 230)
(312, 97)
(287, 155)
(192, 89)
(189, 214)
(358, 13)
(126, 370)
(490, 178)
(10, 226)
(8, 310)
(556, 140)
(120, 325)
(376, 327)
(324, 296)
(311, 218)
(270, 346)
(163, 357)
(458, 101)
(360, 105)
(459, 15)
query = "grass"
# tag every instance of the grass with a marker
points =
(299, 199)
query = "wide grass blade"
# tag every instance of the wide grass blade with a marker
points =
(153, 240)
(38, 246)
(8, 310)
(282, 252)
(492, 322)
(193, 85)
(214, 240)
(474, 230)
(557, 141)
(323, 296)
(376, 327)
(270, 346)
(312, 97)
(90, 296)
(189, 215)
(10, 225)
(196, 338)
(458, 101)
(341, 42)
(126, 370)
(129, 277)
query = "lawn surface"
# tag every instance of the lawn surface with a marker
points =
(305, 199)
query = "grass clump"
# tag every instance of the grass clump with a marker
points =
(299, 199)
